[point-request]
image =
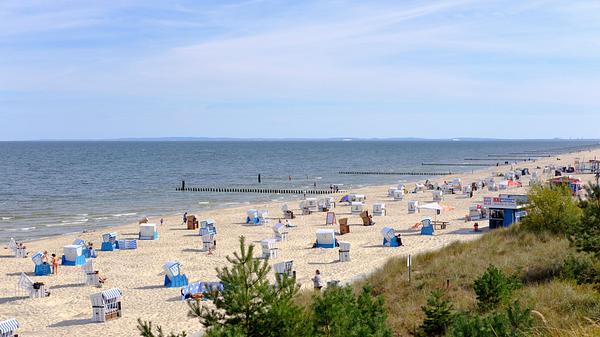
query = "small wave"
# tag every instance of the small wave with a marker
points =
(123, 214)
(82, 214)
(55, 225)
(203, 202)
(24, 229)
(75, 221)
(4, 218)
(101, 218)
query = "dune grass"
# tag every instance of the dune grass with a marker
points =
(561, 308)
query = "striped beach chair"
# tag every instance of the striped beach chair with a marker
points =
(106, 305)
(127, 244)
(26, 287)
(173, 276)
(9, 327)
(41, 268)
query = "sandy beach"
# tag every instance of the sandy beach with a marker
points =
(138, 273)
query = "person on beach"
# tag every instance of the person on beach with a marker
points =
(54, 264)
(45, 259)
(184, 218)
(161, 221)
(317, 280)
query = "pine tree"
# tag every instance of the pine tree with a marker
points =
(438, 315)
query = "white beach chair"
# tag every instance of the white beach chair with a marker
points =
(15, 249)
(280, 231)
(26, 287)
(9, 327)
(262, 216)
(106, 305)
(269, 248)
(148, 231)
(398, 194)
(312, 204)
(90, 276)
(413, 206)
(420, 187)
(391, 191)
(356, 207)
(379, 209)
(437, 195)
(344, 251)
(208, 241)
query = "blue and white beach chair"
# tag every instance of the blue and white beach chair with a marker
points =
(109, 242)
(87, 252)
(127, 244)
(106, 305)
(389, 237)
(173, 276)
(73, 255)
(252, 217)
(204, 288)
(148, 231)
(16, 250)
(9, 327)
(325, 238)
(41, 268)
(426, 227)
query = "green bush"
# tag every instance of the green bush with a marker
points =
(338, 313)
(493, 288)
(438, 315)
(580, 268)
(551, 209)
(515, 322)
(586, 235)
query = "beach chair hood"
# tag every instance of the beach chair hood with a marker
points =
(8, 326)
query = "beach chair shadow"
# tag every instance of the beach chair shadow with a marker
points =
(194, 234)
(318, 263)
(71, 322)
(192, 250)
(150, 287)
(70, 285)
(467, 231)
(19, 273)
(178, 229)
(11, 299)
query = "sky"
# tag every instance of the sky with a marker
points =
(295, 69)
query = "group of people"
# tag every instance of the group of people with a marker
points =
(52, 261)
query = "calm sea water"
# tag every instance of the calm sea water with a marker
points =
(51, 188)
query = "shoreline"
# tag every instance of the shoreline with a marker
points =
(138, 272)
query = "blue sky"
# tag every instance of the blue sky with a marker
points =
(436, 69)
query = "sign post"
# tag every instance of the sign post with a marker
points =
(409, 265)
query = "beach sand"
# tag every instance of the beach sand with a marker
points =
(138, 273)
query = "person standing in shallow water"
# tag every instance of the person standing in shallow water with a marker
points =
(259, 181)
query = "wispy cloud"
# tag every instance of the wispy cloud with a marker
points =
(458, 54)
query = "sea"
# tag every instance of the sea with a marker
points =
(50, 188)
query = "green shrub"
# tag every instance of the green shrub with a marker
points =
(438, 315)
(551, 209)
(338, 313)
(580, 268)
(515, 322)
(586, 235)
(493, 288)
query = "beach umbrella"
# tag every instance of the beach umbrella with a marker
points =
(436, 207)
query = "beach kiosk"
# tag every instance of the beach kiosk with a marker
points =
(9, 328)
(41, 268)
(148, 231)
(505, 210)
(389, 237)
(106, 305)
(325, 238)
(73, 255)
(109, 242)
(173, 276)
